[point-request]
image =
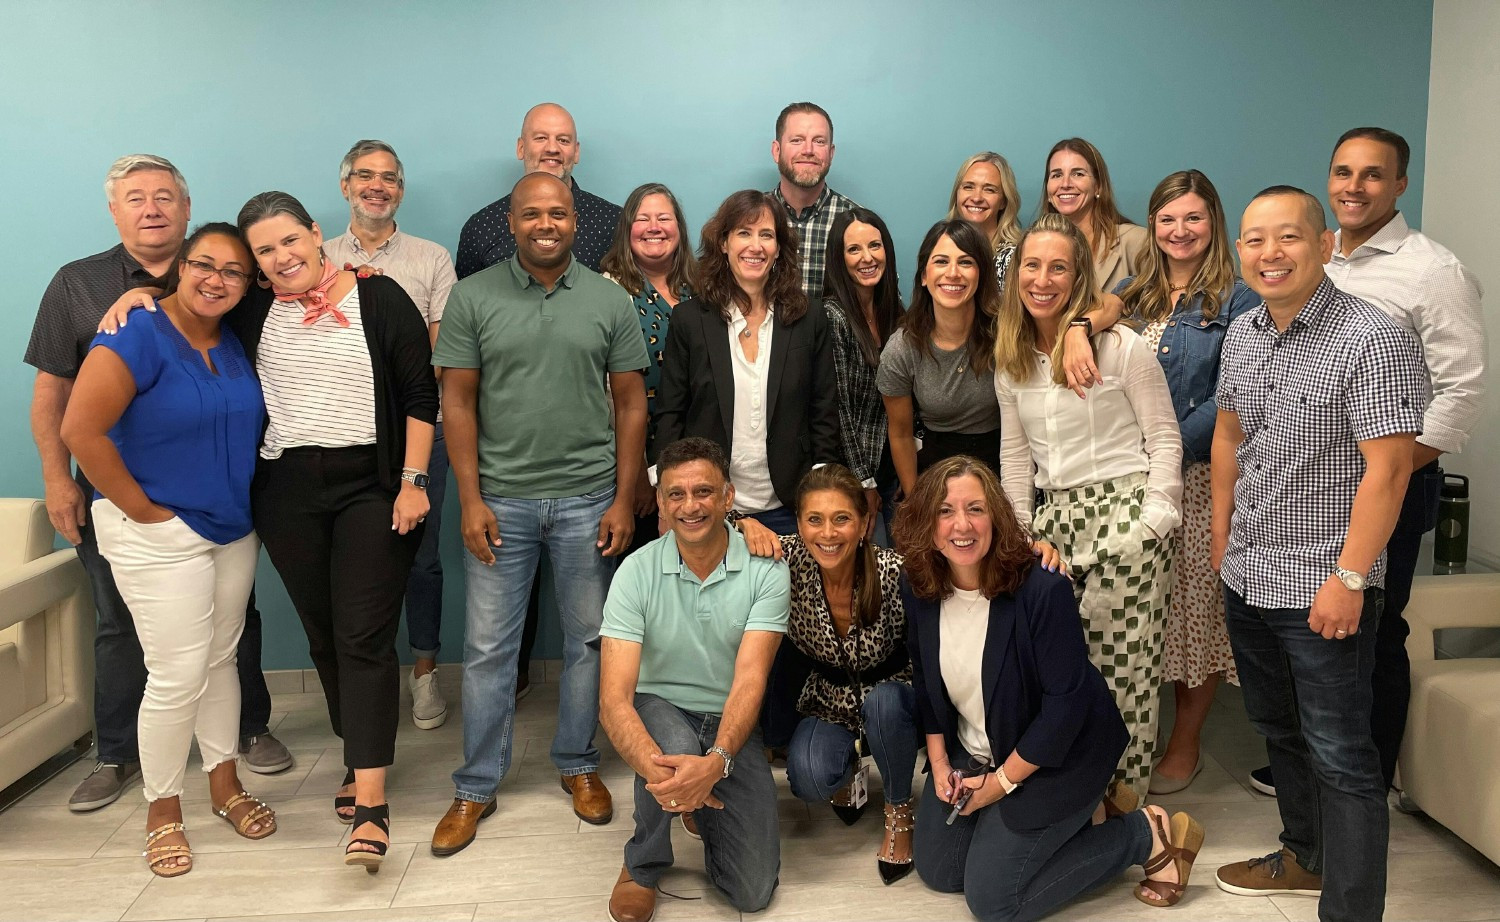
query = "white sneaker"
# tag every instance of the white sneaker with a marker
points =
(428, 709)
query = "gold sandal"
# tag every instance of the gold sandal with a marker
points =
(898, 819)
(158, 855)
(260, 813)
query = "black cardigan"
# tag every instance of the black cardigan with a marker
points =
(400, 359)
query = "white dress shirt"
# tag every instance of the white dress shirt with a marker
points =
(1126, 425)
(749, 468)
(1422, 286)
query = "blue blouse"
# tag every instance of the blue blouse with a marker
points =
(190, 436)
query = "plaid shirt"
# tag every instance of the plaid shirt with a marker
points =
(812, 227)
(862, 423)
(1341, 373)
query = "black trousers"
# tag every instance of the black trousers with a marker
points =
(940, 446)
(325, 521)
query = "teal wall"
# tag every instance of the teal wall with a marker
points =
(269, 94)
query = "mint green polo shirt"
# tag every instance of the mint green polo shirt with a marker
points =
(690, 631)
(544, 415)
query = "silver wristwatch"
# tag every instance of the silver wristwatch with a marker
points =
(723, 753)
(1354, 582)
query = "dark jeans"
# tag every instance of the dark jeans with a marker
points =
(1310, 699)
(1391, 681)
(821, 758)
(424, 591)
(1009, 874)
(120, 666)
(741, 843)
(325, 521)
(782, 519)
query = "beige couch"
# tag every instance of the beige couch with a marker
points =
(1450, 758)
(46, 642)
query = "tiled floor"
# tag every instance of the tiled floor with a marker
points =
(535, 860)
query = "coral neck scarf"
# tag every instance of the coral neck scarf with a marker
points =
(315, 301)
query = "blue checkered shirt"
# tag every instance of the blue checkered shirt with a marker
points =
(1341, 373)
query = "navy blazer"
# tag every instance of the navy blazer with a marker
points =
(1043, 697)
(696, 393)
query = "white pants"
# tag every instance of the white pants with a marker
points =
(187, 596)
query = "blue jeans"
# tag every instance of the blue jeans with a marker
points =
(424, 589)
(782, 520)
(1010, 874)
(120, 664)
(495, 614)
(821, 757)
(741, 842)
(1310, 699)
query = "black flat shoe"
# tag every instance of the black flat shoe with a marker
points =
(370, 861)
(344, 801)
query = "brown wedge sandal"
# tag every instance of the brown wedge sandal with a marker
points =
(260, 813)
(1120, 799)
(1181, 848)
(899, 823)
(157, 856)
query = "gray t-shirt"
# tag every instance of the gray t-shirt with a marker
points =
(949, 395)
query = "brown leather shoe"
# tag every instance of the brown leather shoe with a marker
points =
(456, 829)
(630, 902)
(591, 800)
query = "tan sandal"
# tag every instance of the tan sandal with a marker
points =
(899, 821)
(1180, 848)
(260, 813)
(1120, 799)
(157, 856)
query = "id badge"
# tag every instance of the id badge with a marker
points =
(859, 788)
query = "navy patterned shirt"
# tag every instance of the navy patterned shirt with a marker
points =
(1341, 373)
(486, 238)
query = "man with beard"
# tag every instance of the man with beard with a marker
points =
(524, 348)
(803, 151)
(373, 182)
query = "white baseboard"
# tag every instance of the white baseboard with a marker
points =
(450, 677)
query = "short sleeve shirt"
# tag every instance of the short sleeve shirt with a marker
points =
(189, 436)
(74, 304)
(949, 395)
(690, 629)
(422, 268)
(544, 414)
(1341, 373)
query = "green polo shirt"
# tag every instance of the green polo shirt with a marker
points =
(544, 415)
(690, 631)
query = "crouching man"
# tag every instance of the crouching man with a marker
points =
(691, 627)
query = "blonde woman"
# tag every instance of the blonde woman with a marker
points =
(985, 194)
(1110, 468)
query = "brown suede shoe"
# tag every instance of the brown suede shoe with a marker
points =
(456, 829)
(1275, 874)
(630, 902)
(591, 800)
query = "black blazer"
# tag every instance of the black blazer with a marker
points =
(696, 393)
(400, 361)
(1043, 697)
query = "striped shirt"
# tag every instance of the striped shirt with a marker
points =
(1341, 373)
(813, 224)
(318, 382)
(1422, 286)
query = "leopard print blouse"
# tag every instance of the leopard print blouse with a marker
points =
(810, 628)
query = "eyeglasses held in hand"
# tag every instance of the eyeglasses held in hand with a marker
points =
(974, 768)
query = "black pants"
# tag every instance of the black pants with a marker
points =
(939, 446)
(325, 521)
(1391, 681)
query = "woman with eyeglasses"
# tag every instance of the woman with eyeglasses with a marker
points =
(1022, 732)
(165, 419)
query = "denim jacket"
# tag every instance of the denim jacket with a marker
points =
(1189, 355)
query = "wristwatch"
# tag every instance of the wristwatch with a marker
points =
(1006, 785)
(1086, 323)
(723, 753)
(418, 479)
(1354, 582)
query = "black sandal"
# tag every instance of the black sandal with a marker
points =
(370, 861)
(345, 801)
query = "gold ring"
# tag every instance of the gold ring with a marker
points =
(674, 803)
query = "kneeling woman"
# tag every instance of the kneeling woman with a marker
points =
(164, 420)
(847, 619)
(1022, 734)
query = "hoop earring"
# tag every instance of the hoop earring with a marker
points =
(260, 277)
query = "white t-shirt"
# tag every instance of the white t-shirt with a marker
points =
(963, 625)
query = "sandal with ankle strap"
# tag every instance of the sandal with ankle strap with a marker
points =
(157, 856)
(1120, 799)
(898, 819)
(259, 813)
(369, 860)
(344, 801)
(1180, 848)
